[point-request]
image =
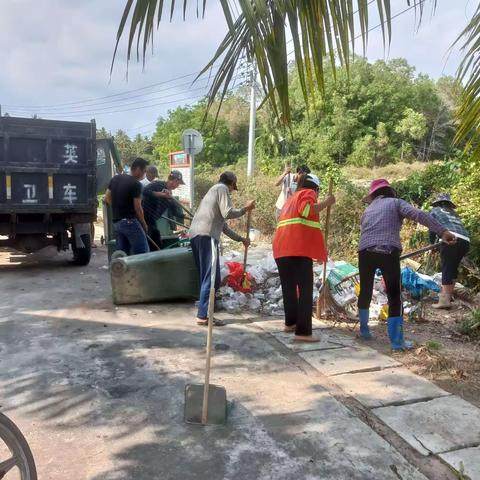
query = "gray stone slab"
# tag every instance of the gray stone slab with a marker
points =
(386, 387)
(347, 360)
(466, 459)
(436, 426)
(325, 344)
(329, 436)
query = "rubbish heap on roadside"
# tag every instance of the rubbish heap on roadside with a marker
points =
(262, 293)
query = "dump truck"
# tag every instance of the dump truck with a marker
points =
(50, 174)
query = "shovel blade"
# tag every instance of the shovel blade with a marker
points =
(217, 404)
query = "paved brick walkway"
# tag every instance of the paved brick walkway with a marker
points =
(431, 420)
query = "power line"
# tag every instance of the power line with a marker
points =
(89, 102)
(89, 110)
(106, 96)
(106, 110)
(102, 103)
(76, 114)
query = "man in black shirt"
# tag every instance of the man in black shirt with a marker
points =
(124, 196)
(157, 199)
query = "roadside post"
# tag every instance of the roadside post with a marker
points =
(192, 142)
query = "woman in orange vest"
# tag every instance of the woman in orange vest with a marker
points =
(297, 242)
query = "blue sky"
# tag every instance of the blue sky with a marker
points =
(56, 57)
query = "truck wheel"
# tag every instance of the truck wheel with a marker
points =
(81, 256)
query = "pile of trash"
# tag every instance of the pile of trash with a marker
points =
(264, 294)
(264, 291)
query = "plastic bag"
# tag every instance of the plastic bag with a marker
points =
(235, 279)
(416, 285)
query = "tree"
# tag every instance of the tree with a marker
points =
(124, 146)
(220, 146)
(103, 133)
(413, 126)
(323, 32)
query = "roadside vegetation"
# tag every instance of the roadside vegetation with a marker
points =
(383, 120)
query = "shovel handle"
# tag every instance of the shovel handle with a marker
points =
(149, 238)
(211, 307)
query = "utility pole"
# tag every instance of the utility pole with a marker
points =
(253, 114)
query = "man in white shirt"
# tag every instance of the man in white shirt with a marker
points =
(150, 175)
(288, 180)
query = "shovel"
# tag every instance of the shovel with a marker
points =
(207, 404)
(245, 281)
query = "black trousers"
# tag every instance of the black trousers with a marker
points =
(451, 256)
(296, 276)
(389, 264)
(153, 233)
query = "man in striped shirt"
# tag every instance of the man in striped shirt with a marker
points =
(443, 212)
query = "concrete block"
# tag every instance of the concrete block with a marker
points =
(468, 457)
(347, 360)
(436, 426)
(335, 445)
(386, 387)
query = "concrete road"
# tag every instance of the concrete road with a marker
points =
(98, 390)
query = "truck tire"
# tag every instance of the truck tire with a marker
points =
(81, 256)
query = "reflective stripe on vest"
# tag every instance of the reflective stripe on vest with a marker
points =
(298, 221)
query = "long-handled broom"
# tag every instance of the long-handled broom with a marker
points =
(322, 299)
(245, 281)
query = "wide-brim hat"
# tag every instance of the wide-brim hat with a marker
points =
(376, 185)
(177, 175)
(443, 197)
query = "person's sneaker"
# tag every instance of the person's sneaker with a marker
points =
(407, 345)
(366, 337)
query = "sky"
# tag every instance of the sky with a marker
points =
(56, 57)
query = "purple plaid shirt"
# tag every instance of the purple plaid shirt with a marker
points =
(382, 222)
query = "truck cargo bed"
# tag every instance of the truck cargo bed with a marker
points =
(47, 167)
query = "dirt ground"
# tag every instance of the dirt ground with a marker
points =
(441, 354)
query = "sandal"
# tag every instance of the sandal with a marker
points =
(306, 339)
(289, 328)
(216, 323)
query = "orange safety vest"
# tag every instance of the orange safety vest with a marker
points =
(298, 231)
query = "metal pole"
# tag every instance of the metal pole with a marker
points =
(251, 129)
(192, 170)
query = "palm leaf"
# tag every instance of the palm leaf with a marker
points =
(322, 30)
(468, 131)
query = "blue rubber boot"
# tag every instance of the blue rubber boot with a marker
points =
(395, 333)
(364, 314)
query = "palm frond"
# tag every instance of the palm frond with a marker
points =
(322, 31)
(468, 131)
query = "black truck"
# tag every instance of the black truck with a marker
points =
(50, 174)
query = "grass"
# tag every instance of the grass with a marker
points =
(471, 325)
(433, 345)
(392, 172)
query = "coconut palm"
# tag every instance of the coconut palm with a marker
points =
(321, 30)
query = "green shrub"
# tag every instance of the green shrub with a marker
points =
(471, 325)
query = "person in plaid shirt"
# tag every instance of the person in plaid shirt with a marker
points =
(380, 247)
(451, 255)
